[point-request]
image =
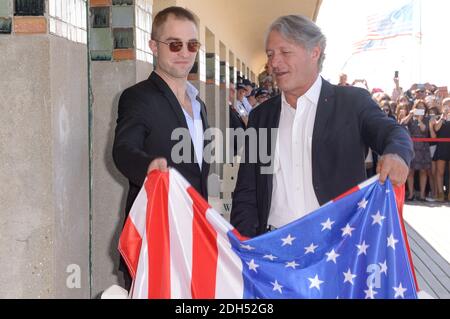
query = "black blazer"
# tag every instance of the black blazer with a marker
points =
(148, 113)
(347, 122)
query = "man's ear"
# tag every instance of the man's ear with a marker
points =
(315, 53)
(154, 47)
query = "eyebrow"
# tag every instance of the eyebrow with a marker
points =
(178, 39)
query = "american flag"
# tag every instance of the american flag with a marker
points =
(383, 26)
(177, 246)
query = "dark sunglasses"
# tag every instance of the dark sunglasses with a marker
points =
(176, 46)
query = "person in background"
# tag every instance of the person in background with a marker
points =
(393, 108)
(343, 80)
(397, 91)
(433, 114)
(442, 155)
(261, 95)
(385, 107)
(418, 128)
(240, 107)
(252, 99)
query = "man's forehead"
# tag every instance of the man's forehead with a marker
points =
(178, 28)
(281, 41)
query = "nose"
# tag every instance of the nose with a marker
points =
(274, 60)
(184, 52)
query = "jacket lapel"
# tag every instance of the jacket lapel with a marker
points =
(323, 114)
(274, 124)
(165, 89)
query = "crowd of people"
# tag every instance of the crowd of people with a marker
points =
(248, 96)
(424, 111)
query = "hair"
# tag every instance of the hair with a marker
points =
(401, 106)
(384, 103)
(418, 102)
(161, 17)
(302, 31)
(435, 110)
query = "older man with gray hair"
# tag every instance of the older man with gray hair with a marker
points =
(324, 133)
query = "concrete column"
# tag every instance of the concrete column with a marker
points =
(224, 110)
(44, 196)
(110, 187)
(109, 77)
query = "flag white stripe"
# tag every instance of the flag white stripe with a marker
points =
(180, 226)
(229, 281)
(140, 287)
(138, 212)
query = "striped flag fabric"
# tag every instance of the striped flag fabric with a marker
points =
(177, 247)
(388, 25)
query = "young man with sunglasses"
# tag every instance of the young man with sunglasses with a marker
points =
(151, 110)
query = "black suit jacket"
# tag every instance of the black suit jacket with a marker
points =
(347, 122)
(148, 113)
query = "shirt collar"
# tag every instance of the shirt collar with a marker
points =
(191, 91)
(313, 94)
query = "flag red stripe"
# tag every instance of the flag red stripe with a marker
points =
(238, 235)
(204, 250)
(350, 191)
(157, 231)
(400, 199)
(130, 246)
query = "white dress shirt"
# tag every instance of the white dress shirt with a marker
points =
(195, 125)
(293, 193)
(247, 105)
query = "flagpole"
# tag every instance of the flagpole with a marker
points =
(420, 42)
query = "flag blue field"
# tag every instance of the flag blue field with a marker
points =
(351, 248)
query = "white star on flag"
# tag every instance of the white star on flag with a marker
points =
(362, 249)
(332, 255)
(399, 291)
(347, 230)
(327, 224)
(370, 293)
(277, 286)
(252, 265)
(270, 257)
(248, 247)
(288, 240)
(311, 249)
(378, 218)
(391, 241)
(349, 277)
(362, 204)
(291, 264)
(384, 267)
(315, 282)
